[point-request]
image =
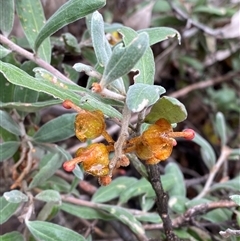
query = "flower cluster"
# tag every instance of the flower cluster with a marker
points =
(152, 146)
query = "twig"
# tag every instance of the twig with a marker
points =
(123, 135)
(225, 152)
(162, 202)
(35, 59)
(192, 212)
(230, 232)
(204, 84)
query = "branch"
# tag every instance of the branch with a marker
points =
(162, 202)
(204, 84)
(35, 59)
(230, 232)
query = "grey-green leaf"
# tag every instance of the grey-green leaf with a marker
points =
(15, 196)
(168, 108)
(145, 66)
(7, 123)
(69, 12)
(236, 199)
(7, 16)
(221, 127)
(32, 19)
(3, 51)
(8, 149)
(51, 232)
(16, 236)
(58, 129)
(142, 95)
(123, 59)
(49, 196)
(207, 152)
(7, 209)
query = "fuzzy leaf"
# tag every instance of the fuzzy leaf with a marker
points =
(3, 51)
(7, 16)
(15, 196)
(49, 196)
(16, 236)
(168, 108)
(8, 123)
(8, 149)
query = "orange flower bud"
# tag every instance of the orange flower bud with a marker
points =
(104, 181)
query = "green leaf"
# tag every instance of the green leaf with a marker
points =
(159, 34)
(32, 19)
(7, 209)
(148, 217)
(141, 95)
(113, 190)
(69, 12)
(232, 184)
(8, 123)
(49, 196)
(123, 59)
(71, 43)
(7, 89)
(16, 236)
(15, 196)
(54, 162)
(7, 149)
(16, 76)
(147, 203)
(145, 66)
(100, 44)
(71, 73)
(85, 212)
(210, 10)
(236, 199)
(51, 232)
(177, 203)
(218, 215)
(193, 62)
(221, 128)
(207, 152)
(3, 51)
(7, 16)
(29, 107)
(58, 129)
(179, 189)
(48, 211)
(168, 108)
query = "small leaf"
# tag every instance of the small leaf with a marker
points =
(16, 236)
(159, 34)
(141, 95)
(71, 43)
(145, 66)
(69, 12)
(100, 44)
(7, 16)
(207, 152)
(113, 190)
(210, 10)
(179, 189)
(7, 89)
(48, 211)
(49, 196)
(148, 217)
(58, 129)
(15, 196)
(123, 59)
(221, 128)
(71, 73)
(193, 62)
(236, 199)
(8, 149)
(54, 162)
(32, 19)
(3, 51)
(84, 212)
(168, 108)
(7, 209)
(49, 232)
(232, 184)
(8, 123)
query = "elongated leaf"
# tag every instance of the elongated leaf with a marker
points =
(145, 66)
(7, 16)
(71, 43)
(207, 152)
(114, 190)
(71, 11)
(123, 59)
(221, 128)
(49, 196)
(51, 232)
(7, 149)
(85, 212)
(236, 199)
(58, 129)
(54, 162)
(29, 107)
(232, 184)
(141, 95)
(15, 196)
(148, 217)
(32, 19)
(3, 51)
(8, 123)
(100, 44)
(7, 209)
(16, 236)
(168, 108)
(7, 89)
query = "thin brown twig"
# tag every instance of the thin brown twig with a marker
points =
(204, 84)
